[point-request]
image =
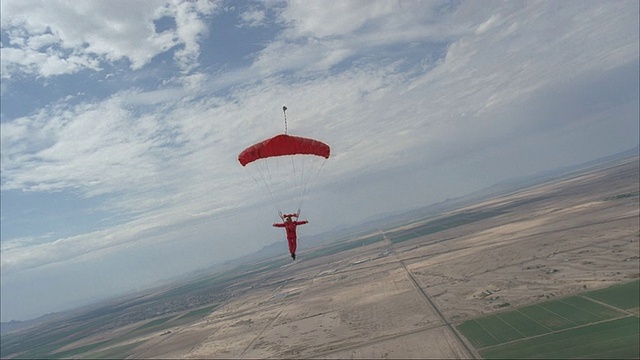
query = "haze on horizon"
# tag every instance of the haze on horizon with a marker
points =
(121, 121)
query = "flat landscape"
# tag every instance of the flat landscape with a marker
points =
(461, 284)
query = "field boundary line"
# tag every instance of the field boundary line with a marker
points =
(554, 332)
(487, 331)
(528, 317)
(558, 315)
(581, 309)
(608, 305)
(506, 322)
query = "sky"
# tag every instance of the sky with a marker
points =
(121, 121)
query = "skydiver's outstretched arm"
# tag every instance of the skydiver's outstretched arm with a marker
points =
(302, 222)
(278, 224)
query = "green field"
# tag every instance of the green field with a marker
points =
(609, 339)
(343, 246)
(598, 324)
(624, 296)
(441, 224)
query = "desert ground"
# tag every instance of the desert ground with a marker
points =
(402, 299)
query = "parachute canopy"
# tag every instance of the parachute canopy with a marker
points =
(281, 145)
(287, 166)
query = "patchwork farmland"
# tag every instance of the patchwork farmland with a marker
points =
(598, 324)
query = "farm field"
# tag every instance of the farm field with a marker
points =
(597, 324)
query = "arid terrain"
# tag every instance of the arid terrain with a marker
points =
(401, 298)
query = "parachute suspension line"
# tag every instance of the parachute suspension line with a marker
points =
(276, 203)
(310, 182)
(266, 183)
(302, 180)
(266, 169)
(294, 175)
(284, 111)
(298, 175)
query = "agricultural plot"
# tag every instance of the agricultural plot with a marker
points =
(442, 224)
(404, 236)
(594, 325)
(454, 220)
(624, 296)
(173, 321)
(116, 352)
(614, 339)
(343, 246)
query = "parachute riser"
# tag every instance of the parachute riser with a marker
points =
(284, 111)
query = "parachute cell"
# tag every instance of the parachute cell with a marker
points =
(282, 145)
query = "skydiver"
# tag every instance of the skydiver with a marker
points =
(290, 227)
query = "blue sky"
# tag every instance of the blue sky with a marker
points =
(121, 121)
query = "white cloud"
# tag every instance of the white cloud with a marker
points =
(71, 147)
(348, 18)
(190, 30)
(253, 18)
(319, 36)
(83, 34)
(487, 24)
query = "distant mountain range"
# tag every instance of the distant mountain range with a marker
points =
(555, 174)
(13, 325)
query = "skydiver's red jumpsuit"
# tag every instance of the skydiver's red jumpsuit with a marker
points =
(290, 226)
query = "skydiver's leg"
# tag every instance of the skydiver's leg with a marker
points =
(292, 247)
(295, 244)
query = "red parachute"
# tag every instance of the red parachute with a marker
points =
(282, 145)
(287, 166)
